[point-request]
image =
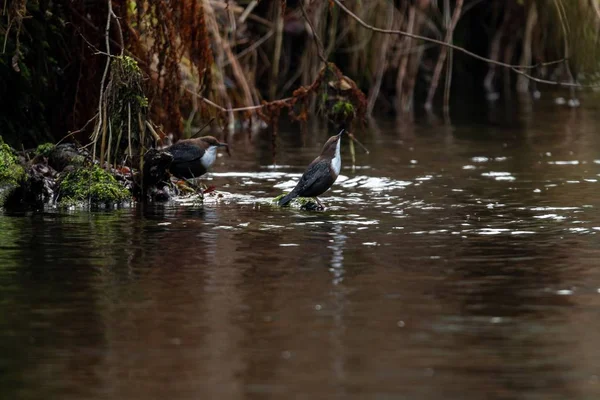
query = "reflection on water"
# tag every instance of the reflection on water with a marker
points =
(451, 264)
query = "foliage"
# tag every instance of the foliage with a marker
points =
(122, 124)
(177, 63)
(44, 149)
(93, 185)
(11, 173)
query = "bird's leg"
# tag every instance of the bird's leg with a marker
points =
(193, 185)
(319, 203)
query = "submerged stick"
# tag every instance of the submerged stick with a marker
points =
(352, 155)
(351, 136)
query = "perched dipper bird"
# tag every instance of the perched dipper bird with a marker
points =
(320, 174)
(193, 157)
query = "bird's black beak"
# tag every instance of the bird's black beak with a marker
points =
(340, 134)
(226, 148)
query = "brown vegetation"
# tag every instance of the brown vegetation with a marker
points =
(248, 60)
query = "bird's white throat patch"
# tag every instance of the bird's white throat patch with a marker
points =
(336, 162)
(209, 157)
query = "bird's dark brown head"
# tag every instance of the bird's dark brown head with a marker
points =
(210, 141)
(331, 145)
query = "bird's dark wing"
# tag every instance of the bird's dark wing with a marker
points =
(184, 152)
(317, 169)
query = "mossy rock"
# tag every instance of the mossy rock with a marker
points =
(64, 154)
(305, 203)
(93, 186)
(45, 149)
(11, 173)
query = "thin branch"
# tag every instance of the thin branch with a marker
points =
(239, 109)
(555, 83)
(439, 42)
(250, 48)
(101, 115)
(516, 68)
(277, 49)
(78, 130)
(247, 11)
(239, 10)
(114, 42)
(314, 33)
(382, 56)
(120, 30)
(443, 52)
(596, 7)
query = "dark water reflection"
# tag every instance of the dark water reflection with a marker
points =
(453, 264)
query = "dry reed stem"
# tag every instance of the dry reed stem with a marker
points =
(101, 112)
(513, 67)
(277, 48)
(382, 57)
(442, 56)
(441, 43)
(523, 82)
(404, 60)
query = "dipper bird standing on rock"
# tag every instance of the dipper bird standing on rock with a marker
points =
(320, 174)
(193, 157)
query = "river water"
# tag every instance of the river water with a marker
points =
(452, 263)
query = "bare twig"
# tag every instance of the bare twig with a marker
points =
(239, 10)
(100, 111)
(596, 7)
(440, 42)
(523, 82)
(153, 131)
(120, 30)
(382, 56)
(199, 131)
(351, 136)
(443, 52)
(276, 49)
(314, 33)
(247, 11)
(78, 130)
(516, 68)
(251, 47)
(239, 109)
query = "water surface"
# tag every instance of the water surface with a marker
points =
(453, 263)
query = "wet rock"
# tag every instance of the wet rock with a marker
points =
(65, 154)
(156, 166)
(303, 203)
(156, 177)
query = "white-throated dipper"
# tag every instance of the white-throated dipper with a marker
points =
(193, 157)
(320, 174)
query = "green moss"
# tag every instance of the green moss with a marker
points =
(298, 202)
(343, 109)
(11, 173)
(78, 160)
(44, 149)
(91, 184)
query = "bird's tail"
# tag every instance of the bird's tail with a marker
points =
(286, 199)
